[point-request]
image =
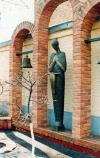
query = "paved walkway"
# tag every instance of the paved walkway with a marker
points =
(22, 147)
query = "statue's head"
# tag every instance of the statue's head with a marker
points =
(55, 44)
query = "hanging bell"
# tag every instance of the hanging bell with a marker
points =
(26, 62)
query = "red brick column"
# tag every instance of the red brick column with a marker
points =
(18, 38)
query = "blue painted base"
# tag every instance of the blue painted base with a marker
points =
(95, 121)
(95, 125)
(25, 108)
(67, 119)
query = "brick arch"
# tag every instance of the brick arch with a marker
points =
(90, 16)
(18, 37)
(41, 50)
(81, 87)
(21, 30)
(82, 67)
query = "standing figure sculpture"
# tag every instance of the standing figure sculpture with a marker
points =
(57, 68)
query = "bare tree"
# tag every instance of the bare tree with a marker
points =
(26, 80)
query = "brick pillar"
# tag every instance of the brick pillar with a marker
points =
(81, 89)
(40, 68)
(15, 69)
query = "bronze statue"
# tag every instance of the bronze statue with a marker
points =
(57, 68)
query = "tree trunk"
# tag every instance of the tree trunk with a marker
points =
(33, 140)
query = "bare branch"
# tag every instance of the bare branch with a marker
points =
(29, 77)
(25, 79)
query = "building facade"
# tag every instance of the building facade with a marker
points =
(76, 24)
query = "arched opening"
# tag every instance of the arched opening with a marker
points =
(87, 70)
(95, 78)
(84, 17)
(41, 49)
(21, 42)
(61, 28)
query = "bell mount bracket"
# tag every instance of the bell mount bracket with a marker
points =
(22, 53)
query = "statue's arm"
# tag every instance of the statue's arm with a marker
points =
(62, 64)
(52, 62)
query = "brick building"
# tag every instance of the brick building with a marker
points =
(76, 24)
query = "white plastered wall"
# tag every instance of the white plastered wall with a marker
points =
(95, 58)
(64, 11)
(66, 45)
